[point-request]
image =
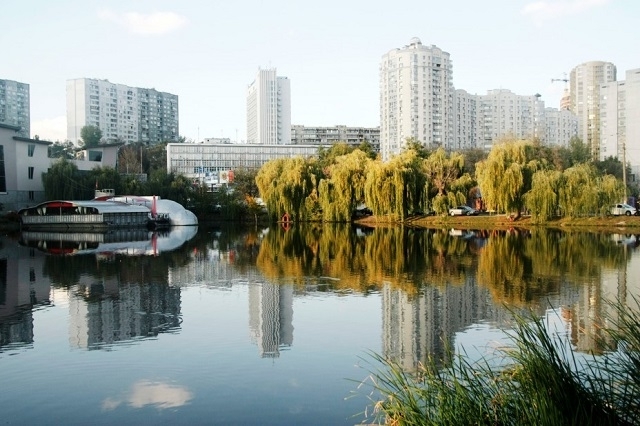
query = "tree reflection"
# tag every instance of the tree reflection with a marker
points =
(519, 267)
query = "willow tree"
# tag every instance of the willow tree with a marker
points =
(396, 187)
(286, 186)
(61, 181)
(505, 176)
(585, 191)
(542, 199)
(343, 187)
(442, 171)
(578, 189)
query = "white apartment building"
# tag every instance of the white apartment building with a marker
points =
(620, 121)
(481, 120)
(468, 122)
(353, 136)
(505, 114)
(416, 97)
(585, 82)
(560, 125)
(123, 113)
(14, 106)
(269, 109)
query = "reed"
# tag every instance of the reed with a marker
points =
(536, 380)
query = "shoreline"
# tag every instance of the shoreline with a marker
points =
(501, 221)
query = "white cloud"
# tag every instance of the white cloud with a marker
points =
(545, 10)
(50, 129)
(155, 23)
(157, 394)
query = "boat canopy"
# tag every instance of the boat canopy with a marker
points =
(81, 207)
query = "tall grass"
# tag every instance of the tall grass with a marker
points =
(538, 380)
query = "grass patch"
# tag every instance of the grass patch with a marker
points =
(538, 380)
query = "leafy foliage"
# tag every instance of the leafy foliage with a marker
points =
(90, 136)
(506, 175)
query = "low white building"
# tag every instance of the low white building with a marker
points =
(207, 163)
(24, 160)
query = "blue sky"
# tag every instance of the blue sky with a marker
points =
(208, 52)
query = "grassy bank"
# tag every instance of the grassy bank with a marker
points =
(534, 381)
(630, 224)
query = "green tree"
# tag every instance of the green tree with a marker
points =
(506, 175)
(327, 156)
(343, 189)
(413, 144)
(154, 157)
(610, 165)
(472, 156)
(64, 149)
(61, 181)
(90, 136)
(288, 185)
(397, 187)
(584, 192)
(100, 178)
(442, 170)
(542, 199)
(130, 159)
(367, 148)
(244, 182)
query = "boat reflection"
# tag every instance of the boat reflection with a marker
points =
(130, 242)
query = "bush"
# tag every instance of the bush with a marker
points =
(540, 381)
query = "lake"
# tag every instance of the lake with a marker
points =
(232, 325)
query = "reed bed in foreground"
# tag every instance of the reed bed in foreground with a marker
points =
(538, 380)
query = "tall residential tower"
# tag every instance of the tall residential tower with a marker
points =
(14, 106)
(416, 97)
(620, 121)
(123, 113)
(269, 109)
(585, 84)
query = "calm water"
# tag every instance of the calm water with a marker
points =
(232, 326)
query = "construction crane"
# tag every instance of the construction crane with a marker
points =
(565, 79)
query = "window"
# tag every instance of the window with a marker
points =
(95, 155)
(32, 148)
(30, 172)
(3, 178)
(31, 195)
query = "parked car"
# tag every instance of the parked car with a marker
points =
(623, 209)
(462, 211)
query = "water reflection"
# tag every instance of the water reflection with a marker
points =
(433, 284)
(157, 394)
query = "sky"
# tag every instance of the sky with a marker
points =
(208, 52)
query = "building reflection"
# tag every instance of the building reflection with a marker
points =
(23, 288)
(271, 318)
(124, 313)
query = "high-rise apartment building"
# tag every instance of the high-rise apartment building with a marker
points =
(269, 109)
(585, 81)
(14, 106)
(352, 136)
(560, 125)
(416, 97)
(505, 114)
(620, 121)
(481, 120)
(468, 122)
(123, 113)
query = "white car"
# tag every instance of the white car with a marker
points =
(462, 211)
(623, 209)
